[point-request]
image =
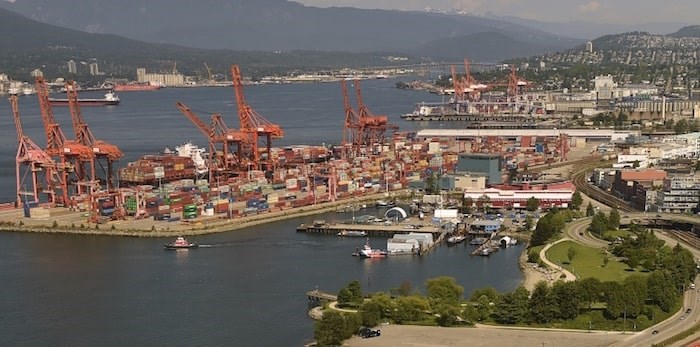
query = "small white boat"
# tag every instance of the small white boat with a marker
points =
(180, 243)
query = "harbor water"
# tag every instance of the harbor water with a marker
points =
(246, 289)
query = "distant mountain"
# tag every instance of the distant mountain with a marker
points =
(31, 44)
(590, 30)
(271, 25)
(482, 47)
(689, 31)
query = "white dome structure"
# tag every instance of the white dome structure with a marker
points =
(396, 213)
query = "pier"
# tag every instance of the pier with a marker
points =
(371, 229)
(316, 297)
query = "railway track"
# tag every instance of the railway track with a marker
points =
(686, 237)
(578, 178)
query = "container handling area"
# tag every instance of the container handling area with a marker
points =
(242, 174)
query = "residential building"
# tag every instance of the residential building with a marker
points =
(94, 69)
(72, 67)
(680, 194)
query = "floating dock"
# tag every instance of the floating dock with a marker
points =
(370, 229)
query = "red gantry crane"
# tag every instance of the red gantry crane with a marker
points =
(372, 129)
(351, 128)
(227, 161)
(32, 163)
(71, 154)
(256, 128)
(104, 153)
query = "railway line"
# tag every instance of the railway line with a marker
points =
(578, 178)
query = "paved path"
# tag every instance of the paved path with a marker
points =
(543, 257)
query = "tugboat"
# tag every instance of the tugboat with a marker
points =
(180, 243)
(368, 252)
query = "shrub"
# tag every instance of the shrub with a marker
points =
(55, 224)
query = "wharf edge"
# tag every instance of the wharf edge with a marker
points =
(211, 227)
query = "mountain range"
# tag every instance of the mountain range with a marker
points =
(279, 25)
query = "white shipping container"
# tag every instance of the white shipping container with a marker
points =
(291, 183)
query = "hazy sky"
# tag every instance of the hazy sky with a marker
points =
(606, 11)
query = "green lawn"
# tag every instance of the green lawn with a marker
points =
(588, 262)
(612, 234)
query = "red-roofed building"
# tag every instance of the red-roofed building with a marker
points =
(623, 185)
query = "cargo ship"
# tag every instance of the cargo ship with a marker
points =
(132, 87)
(187, 161)
(110, 99)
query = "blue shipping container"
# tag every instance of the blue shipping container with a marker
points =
(539, 148)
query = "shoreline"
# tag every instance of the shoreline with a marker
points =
(201, 227)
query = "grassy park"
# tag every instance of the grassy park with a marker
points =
(589, 262)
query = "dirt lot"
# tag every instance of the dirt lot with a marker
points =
(420, 336)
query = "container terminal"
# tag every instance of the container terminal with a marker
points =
(241, 173)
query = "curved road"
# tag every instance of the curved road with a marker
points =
(577, 230)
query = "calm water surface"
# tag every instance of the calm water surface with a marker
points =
(248, 289)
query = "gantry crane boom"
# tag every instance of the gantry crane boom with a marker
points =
(254, 125)
(457, 85)
(35, 162)
(71, 154)
(227, 161)
(372, 129)
(55, 138)
(101, 149)
(350, 131)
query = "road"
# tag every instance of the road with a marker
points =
(678, 322)
(670, 327)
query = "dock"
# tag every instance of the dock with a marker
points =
(370, 229)
(316, 297)
(485, 249)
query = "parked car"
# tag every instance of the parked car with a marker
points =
(654, 332)
(366, 333)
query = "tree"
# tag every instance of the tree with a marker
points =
(512, 308)
(570, 253)
(370, 313)
(332, 329)
(614, 219)
(661, 290)
(533, 204)
(444, 291)
(681, 127)
(528, 223)
(567, 296)
(490, 293)
(599, 224)
(542, 305)
(351, 295)
(484, 202)
(590, 211)
(467, 204)
(576, 200)
(484, 308)
(410, 309)
(589, 289)
(606, 260)
(448, 316)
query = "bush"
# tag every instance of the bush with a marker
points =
(113, 227)
(82, 226)
(533, 257)
(55, 224)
